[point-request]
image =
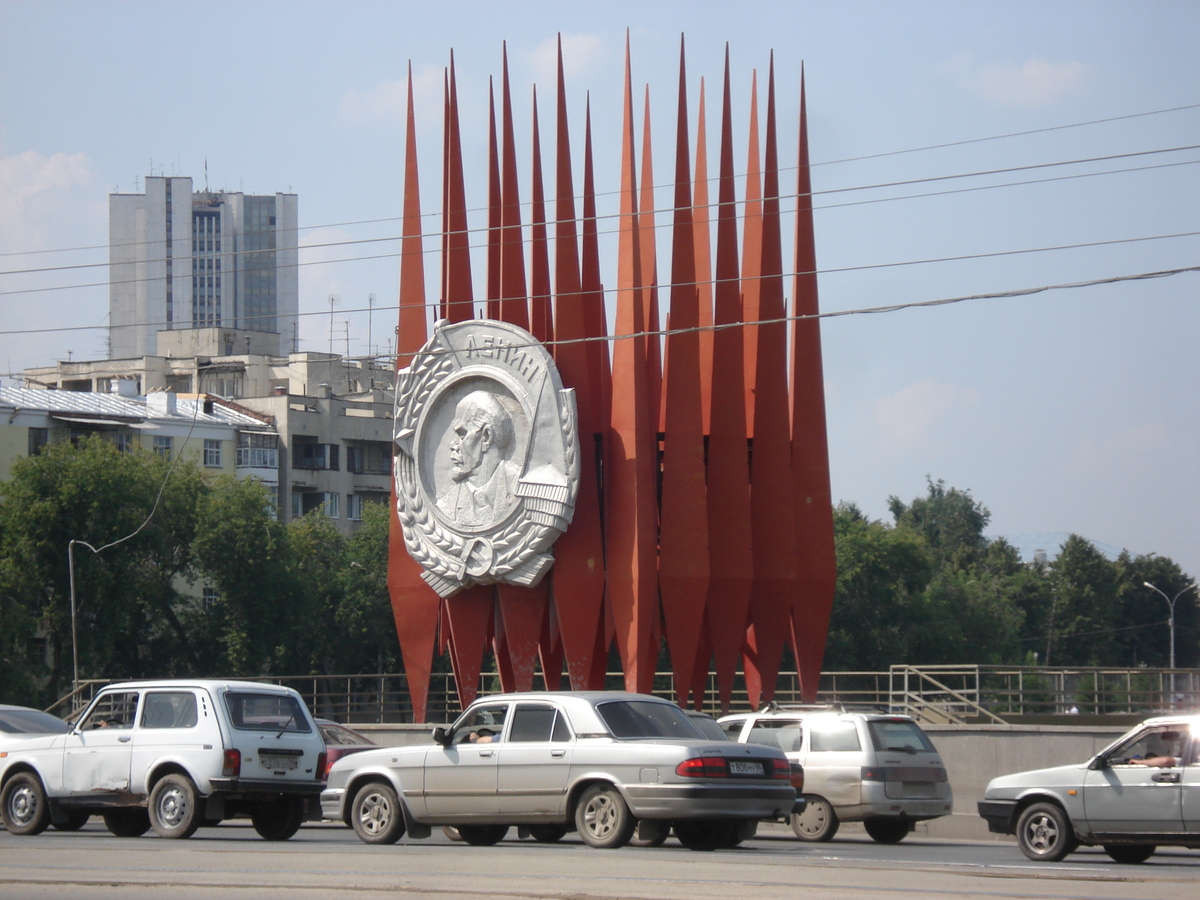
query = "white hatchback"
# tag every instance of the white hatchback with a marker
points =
(873, 767)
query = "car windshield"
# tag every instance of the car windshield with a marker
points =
(633, 719)
(30, 721)
(339, 735)
(898, 734)
(266, 712)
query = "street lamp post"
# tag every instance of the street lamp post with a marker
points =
(1171, 624)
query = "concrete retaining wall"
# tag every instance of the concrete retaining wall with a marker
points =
(974, 754)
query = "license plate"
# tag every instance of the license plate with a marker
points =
(741, 767)
(919, 789)
(278, 762)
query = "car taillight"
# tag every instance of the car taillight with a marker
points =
(703, 767)
(871, 773)
(796, 776)
(323, 764)
(232, 766)
(781, 769)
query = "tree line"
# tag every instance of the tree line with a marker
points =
(300, 598)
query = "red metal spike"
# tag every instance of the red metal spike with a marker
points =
(578, 574)
(456, 262)
(683, 533)
(752, 255)
(702, 222)
(773, 531)
(414, 604)
(649, 256)
(494, 219)
(630, 525)
(810, 448)
(731, 561)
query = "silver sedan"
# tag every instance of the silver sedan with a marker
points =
(1137, 794)
(601, 763)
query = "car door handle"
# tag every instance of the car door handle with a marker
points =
(558, 754)
(485, 753)
(125, 739)
(1165, 777)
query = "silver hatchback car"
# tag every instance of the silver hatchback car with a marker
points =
(1137, 794)
(877, 768)
(593, 762)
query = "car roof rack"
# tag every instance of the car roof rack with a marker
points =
(839, 707)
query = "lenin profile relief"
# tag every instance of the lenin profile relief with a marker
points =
(487, 464)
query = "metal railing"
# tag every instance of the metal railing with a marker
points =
(931, 694)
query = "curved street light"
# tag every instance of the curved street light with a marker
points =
(1171, 623)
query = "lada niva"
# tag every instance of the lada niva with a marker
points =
(172, 756)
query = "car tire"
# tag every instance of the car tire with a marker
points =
(175, 807)
(74, 820)
(704, 834)
(1130, 854)
(132, 822)
(818, 822)
(887, 829)
(375, 814)
(547, 834)
(278, 819)
(483, 835)
(650, 833)
(1044, 833)
(603, 819)
(24, 807)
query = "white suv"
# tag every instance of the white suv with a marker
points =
(876, 768)
(172, 755)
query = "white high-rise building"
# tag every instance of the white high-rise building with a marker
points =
(191, 261)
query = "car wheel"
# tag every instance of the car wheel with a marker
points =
(886, 830)
(375, 814)
(24, 806)
(650, 833)
(704, 834)
(278, 819)
(547, 834)
(818, 822)
(483, 835)
(75, 819)
(1044, 833)
(127, 822)
(1130, 854)
(742, 831)
(175, 807)
(603, 819)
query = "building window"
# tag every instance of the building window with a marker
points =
(304, 502)
(162, 446)
(311, 455)
(369, 458)
(212, 453)
(123, 442)
(38, 438)
(210, 597)
(257, 451)
(354, 504)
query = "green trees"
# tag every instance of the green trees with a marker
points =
(931, 588)
(286, 599)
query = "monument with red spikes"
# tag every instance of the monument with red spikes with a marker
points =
(669, 485)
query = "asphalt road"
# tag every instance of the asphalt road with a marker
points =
(230, 861)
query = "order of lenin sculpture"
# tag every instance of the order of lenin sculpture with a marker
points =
(487, 462)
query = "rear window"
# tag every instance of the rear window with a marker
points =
(898, 734)
(633, 719)
(266, 712)
(781, 734)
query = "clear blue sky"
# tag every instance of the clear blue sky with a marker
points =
(1068, 410)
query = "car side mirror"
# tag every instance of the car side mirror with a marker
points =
(441, 735)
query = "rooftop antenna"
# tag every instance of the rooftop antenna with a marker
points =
(206, 174)
(333, 298)
(370, 312)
